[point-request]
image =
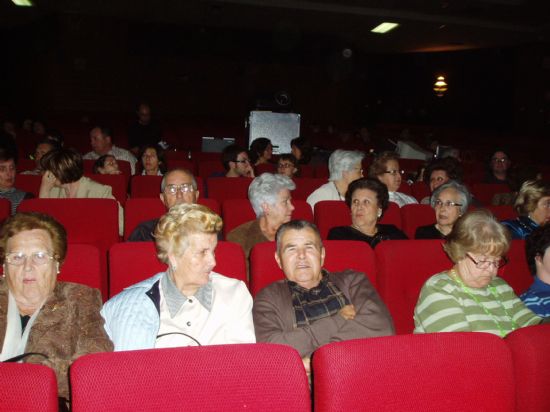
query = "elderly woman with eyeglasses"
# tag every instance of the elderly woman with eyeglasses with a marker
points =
(533, 207)
(450, 201)
(386, 169)
(367, 200)
(42, 320)
(470, 296)
(344, 167)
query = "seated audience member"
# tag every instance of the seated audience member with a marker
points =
(101, 139)
(261, 151)
(344, 167)
(38, 127)
(287, 165)
(144, 130)
(152, 160)
(386, 169)
(498, 168)
(7, 180)
(450, 201)
(516, 177)
(533, 207)
(177, 186)
(313, 307)
(367, 200)
(106, 165)
(537, 248)
(236, 162)
(301, 149)
(189, 304)
(64, 178)
(470, 297)
(42, 148)
(440, 171)
(270, 197)
(42, 320)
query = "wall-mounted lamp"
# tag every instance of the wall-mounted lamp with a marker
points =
(440, 87)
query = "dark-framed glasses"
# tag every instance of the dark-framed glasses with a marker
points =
(501, 160)
(285, 165)
(242, 161)
(486, 264)
(447, 203)
(395, 172)
(37, 258)
(183, 188)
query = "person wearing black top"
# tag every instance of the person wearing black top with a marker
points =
(367, 200)
(450, 201)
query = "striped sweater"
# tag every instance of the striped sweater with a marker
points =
(444, 306)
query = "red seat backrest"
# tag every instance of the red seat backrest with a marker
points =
(308, 171)
(27, 387)
(340, 255)
(82, 265)
(403, 267)
(132, 262)
(531, 358)
(320, 171)
(516, 272)
(223, 188)
(329, 214)
(484, 192)
(392, 215)
(413, 216)
(208, 378)
(503, 212)
(28, 183)
(5, 209)
(426, 372)
(306, 186)
(24, 164)
(118, 183)
(208, 167)
(420, 190)
(265, 168)
(181, 164)
(149, 186)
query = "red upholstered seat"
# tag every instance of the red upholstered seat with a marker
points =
(403, 267)
(340, 255)
(209, 167)
(28, 183)
(413, 216)
(392, 215)
(503, 212)
(118, 183)
(484, 192)
(420, 190)
(258, 377)
(5, 209)
(239, 211)
(132, 262)
(265, 168)
(443, 372)
(531, 357)
(82, 265)
(177, 163)
(25, 387)
(306, 186)
(149, 186)
(516, 272)
(89, 221)
(223, 188)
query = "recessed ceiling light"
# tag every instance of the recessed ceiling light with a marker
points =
(23, 3)
(384, 27)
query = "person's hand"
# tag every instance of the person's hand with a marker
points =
(48, 180)
(250, 171)
(347, 312)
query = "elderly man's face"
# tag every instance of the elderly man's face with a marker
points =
(101, 144)
(7, 174)
(301, 257)
(178, 180)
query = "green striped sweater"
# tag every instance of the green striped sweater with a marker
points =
(444, 306)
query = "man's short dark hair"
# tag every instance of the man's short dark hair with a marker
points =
(296, 225)
(449, 165)
(106, 131)
(230, 154)
(536, 244)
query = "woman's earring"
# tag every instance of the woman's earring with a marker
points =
(57, 267)
(379, 214)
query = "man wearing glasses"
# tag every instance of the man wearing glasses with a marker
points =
(236, 162)
(177, 186)
(498, 169)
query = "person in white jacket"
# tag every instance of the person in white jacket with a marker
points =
(189, 304)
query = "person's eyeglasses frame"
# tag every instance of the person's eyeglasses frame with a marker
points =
(484, 264)
(47, 256)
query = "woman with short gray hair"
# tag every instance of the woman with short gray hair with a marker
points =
(270, 197)
(450, 201)
(344, 167)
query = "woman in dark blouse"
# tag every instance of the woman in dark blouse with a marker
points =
(450, 201)
(367, 200)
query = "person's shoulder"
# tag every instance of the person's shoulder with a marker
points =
(440, 282)
(241, 229)
(272, 290)
(391, 230)
(222, 281)
(75, 291)
(90, 155)
(348, 275)
(339, 231)
(137, 289)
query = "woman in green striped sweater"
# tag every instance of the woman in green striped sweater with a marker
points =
(470, 296)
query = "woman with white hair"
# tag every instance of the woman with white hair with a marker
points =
(344, 167)
(270, 197)
(189, 304)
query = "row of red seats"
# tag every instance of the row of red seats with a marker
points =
(441, 371)
(398, 269)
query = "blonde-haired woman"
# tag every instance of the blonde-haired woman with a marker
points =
(189, 304)
(533, 207)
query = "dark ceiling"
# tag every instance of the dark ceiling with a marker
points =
(425, 25)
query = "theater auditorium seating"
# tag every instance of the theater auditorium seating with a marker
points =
(340, 255)
(252, 377)
(414, 216)
(132, 262)
(5, 209)
(118, 183)
(223, 188)
(306, 186)
(149, 186)
(443, 372)
(82, 265)
(28, 183)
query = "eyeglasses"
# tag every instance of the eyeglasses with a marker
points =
(486, 264)
(285, 165)
(395, 172)
(183, 188)
(496, 160)
(242, 161)
(448, 203)
(37, 258)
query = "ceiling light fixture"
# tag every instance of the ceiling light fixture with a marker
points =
(440, 86)
(384, 27)
(23, 3)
